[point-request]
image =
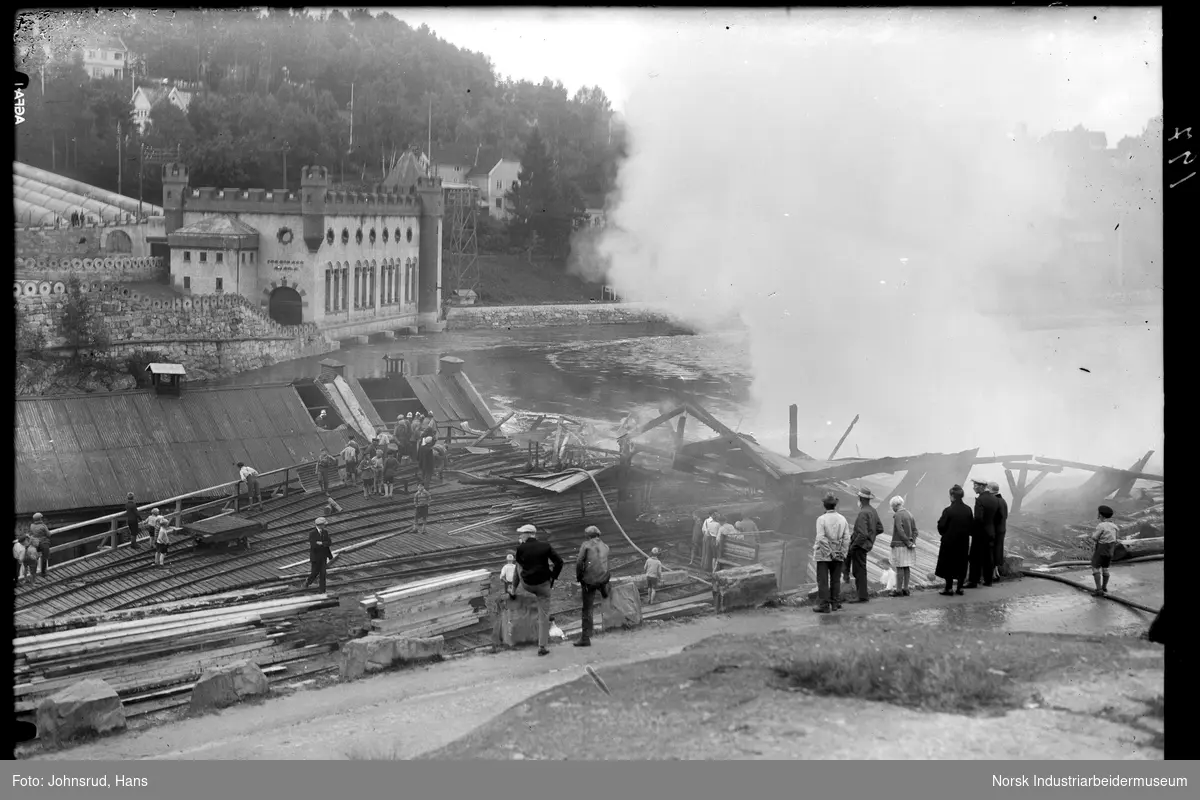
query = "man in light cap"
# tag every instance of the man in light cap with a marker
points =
(319, 553)
(867, 526)
(540, 567)
(1001, 528)
(984, 540)
(591, 570)
(39, 537)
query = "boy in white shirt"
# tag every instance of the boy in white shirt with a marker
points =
(508, 574)
(888, 578)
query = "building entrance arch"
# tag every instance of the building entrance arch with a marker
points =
(285, 306)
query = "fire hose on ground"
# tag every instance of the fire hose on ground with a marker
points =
(611, 513)
(1035, 574)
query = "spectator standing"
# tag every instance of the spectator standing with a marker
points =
(1001, 528)
(829, 551)
(39, 537)
(350, 462)
(421, 507)
(508, 575)
(904, 545)
(250, 476)
(133, 521)
(391, 467)
(540, 567)
(1105, 539)
(867, 526)
(591, 570)
(654, 570)
(320, 553)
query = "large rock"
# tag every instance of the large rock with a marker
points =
(229, 684)
(419, 649)
(1012, 566)
(380, 651)
(518, 620)
(743, 587)
(90, 706)
(623, 607)
(670, 577)
(368, 654)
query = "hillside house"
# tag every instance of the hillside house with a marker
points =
(145, 98)
(106, 57)
(492, 171)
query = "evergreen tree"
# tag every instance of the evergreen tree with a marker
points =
(543, 203)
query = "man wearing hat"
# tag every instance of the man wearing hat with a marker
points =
(320, 553)
(866, 527)
(39, 537)
(591, 570)
(1001, 528)
(133, 520)
(984, 540)
(540, 567)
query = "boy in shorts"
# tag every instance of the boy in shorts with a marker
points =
(653, 573)
(421, 504)
(1105, 537)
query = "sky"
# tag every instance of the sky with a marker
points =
(1103, 73)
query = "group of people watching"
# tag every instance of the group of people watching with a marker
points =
(710, 531)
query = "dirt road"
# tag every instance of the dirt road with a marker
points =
(407, 714)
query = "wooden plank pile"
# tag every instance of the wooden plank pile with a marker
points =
(430, 607)
(156, 656)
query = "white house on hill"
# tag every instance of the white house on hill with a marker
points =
(145, 98)
(106, 57)
(493, 172)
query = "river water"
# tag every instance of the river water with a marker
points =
(599, 374)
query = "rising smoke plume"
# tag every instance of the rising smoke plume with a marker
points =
(846, 184)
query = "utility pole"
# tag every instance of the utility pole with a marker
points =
(429, 141)
(119, 172)
(141, 160)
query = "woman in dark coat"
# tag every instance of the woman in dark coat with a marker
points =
(956, 526)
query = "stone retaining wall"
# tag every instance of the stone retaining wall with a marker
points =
(104, 268)
(217, 333)
(469, 317)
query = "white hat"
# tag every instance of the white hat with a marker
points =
(320, 520)
(37, 515)
(527, 529)
(154, 511)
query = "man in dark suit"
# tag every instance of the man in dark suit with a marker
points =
(983, 543)
(540, 567)
(867, 526)
(955, 527)
(319, 553)
(1001, 527)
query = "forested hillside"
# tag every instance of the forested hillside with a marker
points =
(274, 84)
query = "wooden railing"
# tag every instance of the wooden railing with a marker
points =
(179, 513)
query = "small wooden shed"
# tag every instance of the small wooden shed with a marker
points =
(167, 379)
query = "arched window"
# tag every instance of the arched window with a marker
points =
(371, 297)
(328, 288)
(357, 286)
(344, 296)
(385, 236)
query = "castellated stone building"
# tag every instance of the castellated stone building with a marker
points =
(353, 263)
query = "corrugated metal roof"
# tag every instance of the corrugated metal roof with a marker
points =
(559, 482)
(449, 399)
(87, 451)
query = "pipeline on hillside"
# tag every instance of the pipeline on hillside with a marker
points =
(1121, 600)
(1156, 557)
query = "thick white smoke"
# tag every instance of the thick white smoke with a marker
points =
(848, 187)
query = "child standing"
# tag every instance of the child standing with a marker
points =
(508, 574)
(421, 503)
(653, 573)
(162, 540)
(888, 578)
(367, 473)
(1105, 537)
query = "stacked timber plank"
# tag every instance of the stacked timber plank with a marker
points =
(150, 657)
(430, 607)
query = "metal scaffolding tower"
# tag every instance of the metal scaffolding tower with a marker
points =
(462, 242)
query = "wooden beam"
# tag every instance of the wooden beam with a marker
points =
(708, 419)
(1126, 486)
(1012, 483)
(654, 423)
(1033, 483)
(1001, 459)
(838, 446)
(1021, 491)
(1027, 467)
(494, 428)
(1143, 476)
(793, 430)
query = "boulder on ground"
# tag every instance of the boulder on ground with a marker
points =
(368, 654)
(743, 587)
(419, 649)
(228, 684)
(90, 706)
(623, 607)
(670, 577)
(1012, 566)
(518, 619)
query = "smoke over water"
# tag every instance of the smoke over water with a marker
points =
(850, 190)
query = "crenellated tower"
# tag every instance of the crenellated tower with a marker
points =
(175, 183)
(314, 184)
